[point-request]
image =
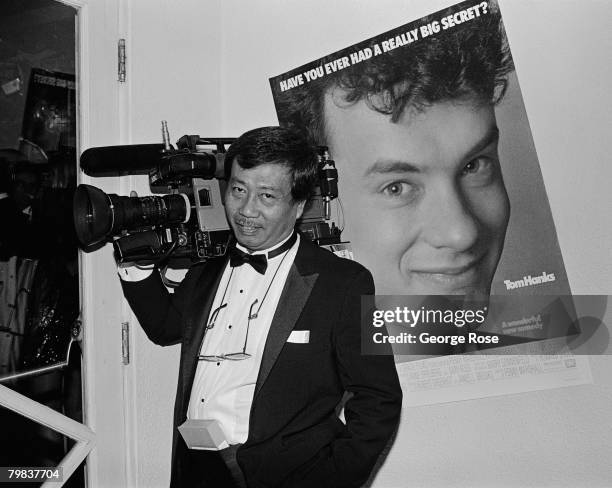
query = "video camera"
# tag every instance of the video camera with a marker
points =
(187, 223)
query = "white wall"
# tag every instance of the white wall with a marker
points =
(204, 66)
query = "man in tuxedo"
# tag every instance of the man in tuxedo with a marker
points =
(270, 340)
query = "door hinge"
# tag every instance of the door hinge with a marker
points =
(125, 342)
(121, 60)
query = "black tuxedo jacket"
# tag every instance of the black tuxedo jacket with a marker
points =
(295, 437)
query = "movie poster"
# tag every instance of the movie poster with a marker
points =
(49, 120)
(440, 188)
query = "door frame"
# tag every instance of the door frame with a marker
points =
(101, 438)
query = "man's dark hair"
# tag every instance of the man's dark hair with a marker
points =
(277, 145)
(470, 61)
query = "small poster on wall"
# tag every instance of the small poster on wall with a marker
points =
(49, 120)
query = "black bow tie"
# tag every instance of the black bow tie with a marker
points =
(238, 258)
(258, 261)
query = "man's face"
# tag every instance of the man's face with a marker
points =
(259, 206)
(425, 204)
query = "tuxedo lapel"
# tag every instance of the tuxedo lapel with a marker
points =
(294, 296)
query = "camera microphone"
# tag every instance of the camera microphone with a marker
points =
(142, 159)
(121, 160)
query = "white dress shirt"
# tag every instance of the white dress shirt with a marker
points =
(223, 390)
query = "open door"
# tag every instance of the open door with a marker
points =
(59, 95)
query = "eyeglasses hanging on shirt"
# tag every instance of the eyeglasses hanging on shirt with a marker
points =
(234, 356)
(239, 356)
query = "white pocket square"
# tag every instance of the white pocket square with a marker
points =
(299, 336)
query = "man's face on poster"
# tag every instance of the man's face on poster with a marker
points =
(425, 204)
